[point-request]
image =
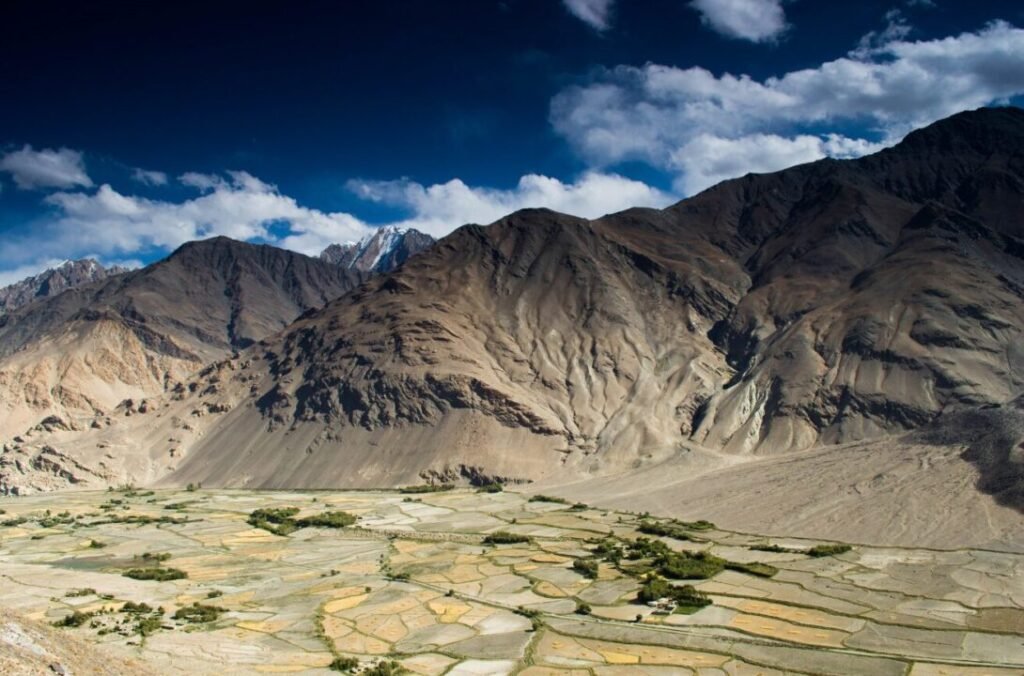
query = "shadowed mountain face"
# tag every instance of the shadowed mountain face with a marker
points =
(51, 282)
(831, 303)
(129, 336)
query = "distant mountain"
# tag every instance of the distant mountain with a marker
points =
(53, 281)
(134, 334)
(382, 251)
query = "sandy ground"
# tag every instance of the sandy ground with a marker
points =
(883, 493)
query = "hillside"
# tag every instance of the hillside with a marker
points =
(54, 281)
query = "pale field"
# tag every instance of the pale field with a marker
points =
(413, 582)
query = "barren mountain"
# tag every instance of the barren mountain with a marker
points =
(800, 324)
(53, 281)
(383, 251)
(134, 335)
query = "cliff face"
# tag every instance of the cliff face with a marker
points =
(382, 251)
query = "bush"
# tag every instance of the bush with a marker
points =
(384, 669)
(753, 568)
(327, 520)
(154, 557)
(548, 498)
(158, 574)
(586, 567)
(583, 608)
(819, 551)
(502, 537)
(96, 544)
(426, 488)
(278, 520)
(491, 488)
(89, 591)
(686, 595)
(198, 613)
(344, 664)
(214, 594)
(75, 619)
(687, 566)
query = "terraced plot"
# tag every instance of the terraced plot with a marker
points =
(413, 582)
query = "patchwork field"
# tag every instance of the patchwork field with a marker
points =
(472, 583)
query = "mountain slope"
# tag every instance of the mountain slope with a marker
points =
(131, 336)
(383, 251)
(54, 281)
(828, 303)
(835, 306)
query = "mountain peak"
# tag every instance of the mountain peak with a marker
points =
(53, 281)
(382, 250)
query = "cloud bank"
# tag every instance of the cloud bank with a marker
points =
(666, 116)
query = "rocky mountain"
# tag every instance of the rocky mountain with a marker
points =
(53, 281)
(803, 324)
(133, 335)
(382, 251)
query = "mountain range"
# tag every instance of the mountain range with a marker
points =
(826, 333)
(54, 281)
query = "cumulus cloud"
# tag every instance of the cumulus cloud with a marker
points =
(595, 13)
(753, 20)
(147, 177)
(33, 169)
(110, 223)
(439, 208)
(649, 113)
(706, 159)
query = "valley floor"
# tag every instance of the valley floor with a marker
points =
(413, 581)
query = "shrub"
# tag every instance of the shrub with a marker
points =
(686, 595)
(819, 551)
(198, 613)
(344, 664)
(502, 537)
(491, 488)
(89, 591)
(278, 520)
(154, 556)
(158, 574)
(327, 520)
(214, 594)
(583, 608)
(96, 544)
(384, 669)
(548, 498)
(586, 567)
(75, 619)
(753, 568)
(426, 488)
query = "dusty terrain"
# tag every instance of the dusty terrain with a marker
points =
(413, 581)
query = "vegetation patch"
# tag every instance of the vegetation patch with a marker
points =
(548, 498)
(656, 589)
(198, 613)
(586, 567)
(327, 520)
(502, 537)
(426, 488)
(155, 573)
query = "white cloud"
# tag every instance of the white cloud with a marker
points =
(707, 160)
(438, 209)
(649, 113)
(595, 13)
(31, 169)
(111, 224)
(753, 20)
(147, 177)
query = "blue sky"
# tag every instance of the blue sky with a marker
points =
(126, 130)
